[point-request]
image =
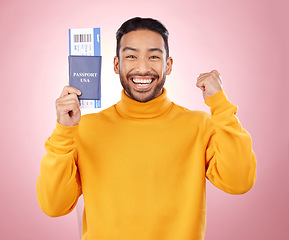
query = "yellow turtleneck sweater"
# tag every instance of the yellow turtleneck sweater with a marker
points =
(141, 168)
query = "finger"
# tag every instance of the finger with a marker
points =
(216, 72)
(199, 80)
(71, 96)
(70, 109)
(67, 100)
(64, 102)
(66, 108)
(203, 75)
(201, 85)
(68, 90)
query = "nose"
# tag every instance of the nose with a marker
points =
(142, 65)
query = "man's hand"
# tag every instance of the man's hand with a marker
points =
(210, 83)
(67, 107)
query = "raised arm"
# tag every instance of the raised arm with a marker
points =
(58, 183)
(230, 160)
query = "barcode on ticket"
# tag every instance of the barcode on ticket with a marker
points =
(82, 38)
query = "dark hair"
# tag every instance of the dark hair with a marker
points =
(138, 23)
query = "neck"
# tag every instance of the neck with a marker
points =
(156, 107)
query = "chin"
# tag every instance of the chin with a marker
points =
(142, 97)
(146, 96)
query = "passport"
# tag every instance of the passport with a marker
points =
(85, 75)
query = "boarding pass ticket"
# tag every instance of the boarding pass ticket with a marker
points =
(85, 42)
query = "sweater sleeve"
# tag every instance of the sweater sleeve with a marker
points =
(230, 160)
(58, 183)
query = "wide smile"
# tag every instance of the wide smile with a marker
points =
(142, 83)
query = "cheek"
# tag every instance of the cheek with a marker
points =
(158, 67)
(125, 68)
(162, 70)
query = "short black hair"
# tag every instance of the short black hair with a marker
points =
(139, 23)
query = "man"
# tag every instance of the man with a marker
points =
(141, 164)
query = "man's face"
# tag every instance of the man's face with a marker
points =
(142, 65)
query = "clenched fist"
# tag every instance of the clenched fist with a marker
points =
(210, 83)
(67, 107)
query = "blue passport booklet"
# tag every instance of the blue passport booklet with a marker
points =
(85, 75)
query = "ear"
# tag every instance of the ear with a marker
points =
(169, 66)
(116, 65)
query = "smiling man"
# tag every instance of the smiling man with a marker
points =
(142, 164)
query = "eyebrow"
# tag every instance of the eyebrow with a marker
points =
(136, 50)
(129, 48)
(155, 49)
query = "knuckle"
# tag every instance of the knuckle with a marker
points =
(57, 102)
(216, 73)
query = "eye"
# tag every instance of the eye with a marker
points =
(154, 57)
(130, 56)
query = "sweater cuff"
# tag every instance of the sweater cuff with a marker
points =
(219, 103)
(64, 135)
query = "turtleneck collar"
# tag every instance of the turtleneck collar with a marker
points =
(129, 108)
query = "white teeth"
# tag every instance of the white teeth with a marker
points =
(142, 81)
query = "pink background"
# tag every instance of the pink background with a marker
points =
(246, 40)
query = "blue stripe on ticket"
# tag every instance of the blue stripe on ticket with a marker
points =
(96, 34)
